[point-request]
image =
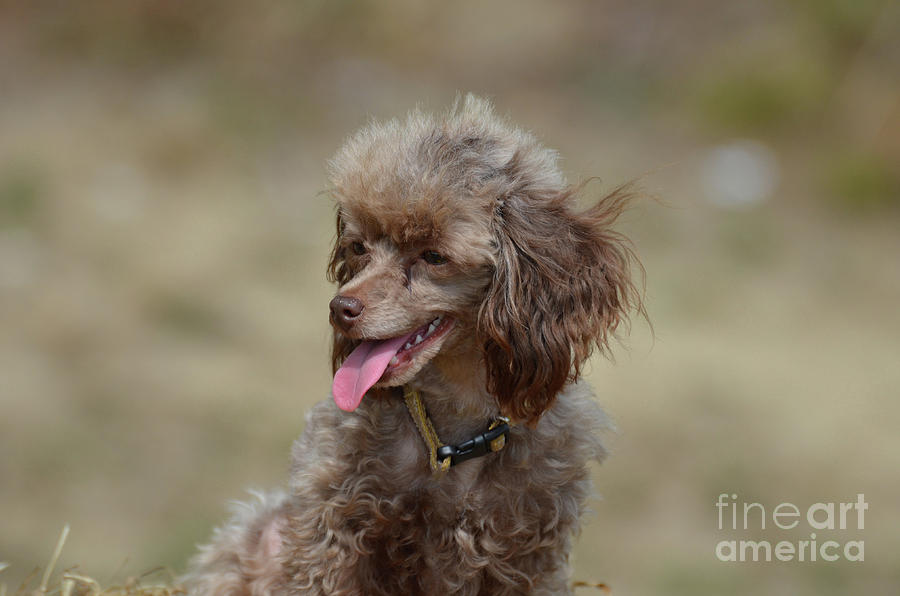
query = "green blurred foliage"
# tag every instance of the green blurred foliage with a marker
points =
(764, 94)
(186, 315)
(681, 578)
(21, 188)
(845, 23)
(862, 182)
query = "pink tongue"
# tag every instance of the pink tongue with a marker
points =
(362, 368)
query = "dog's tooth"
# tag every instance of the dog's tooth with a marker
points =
(418, 339)
(394, 361)
(407, 346)
(431, 328)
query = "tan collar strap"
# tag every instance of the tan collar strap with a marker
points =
(440, 456)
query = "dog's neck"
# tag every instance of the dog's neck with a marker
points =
(455, 397)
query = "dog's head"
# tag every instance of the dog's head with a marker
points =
(457, 234)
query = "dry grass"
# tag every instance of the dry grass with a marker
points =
(70, 583)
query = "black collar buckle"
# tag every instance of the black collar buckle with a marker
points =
(494, 439)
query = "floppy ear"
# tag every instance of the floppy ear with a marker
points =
(339, 273)
(562, 285)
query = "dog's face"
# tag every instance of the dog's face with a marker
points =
(459, 235)
(418, 273)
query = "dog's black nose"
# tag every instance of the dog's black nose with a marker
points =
(345, 310)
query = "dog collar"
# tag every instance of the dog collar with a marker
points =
(441, 457)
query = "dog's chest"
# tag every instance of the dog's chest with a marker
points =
(432, 541)
(472, 530)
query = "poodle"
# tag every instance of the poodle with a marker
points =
(453, 457)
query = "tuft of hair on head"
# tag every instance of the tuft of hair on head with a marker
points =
(563, 286)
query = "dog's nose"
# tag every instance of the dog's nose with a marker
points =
(345, 310)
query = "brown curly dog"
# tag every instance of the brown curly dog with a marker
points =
(453, 458)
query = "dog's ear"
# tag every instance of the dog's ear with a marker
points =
(337, 265)
(562, 285)
(338, 272)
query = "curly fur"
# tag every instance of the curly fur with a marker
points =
(532, 285)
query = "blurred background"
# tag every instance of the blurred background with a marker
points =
(163, 238)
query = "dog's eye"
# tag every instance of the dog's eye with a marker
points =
(358, 248)
(433, 258)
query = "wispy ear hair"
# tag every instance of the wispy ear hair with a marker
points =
(563, 285)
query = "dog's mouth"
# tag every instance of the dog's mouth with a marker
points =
(384, 361)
